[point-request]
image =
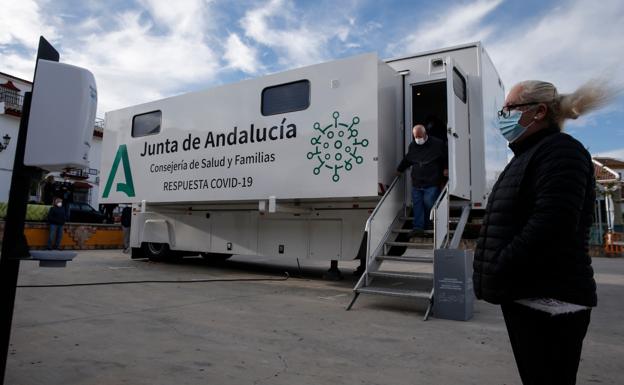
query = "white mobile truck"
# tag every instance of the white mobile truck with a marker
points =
(302, 163)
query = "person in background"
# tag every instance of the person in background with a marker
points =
(532, 253)
(107, 210)
(126, 221)
(427, 155)
(56, 220)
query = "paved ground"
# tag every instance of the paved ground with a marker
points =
(289, 332)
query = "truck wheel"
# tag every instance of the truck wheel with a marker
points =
(215, 256)
(156, 251)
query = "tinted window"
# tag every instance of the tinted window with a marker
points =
(287, 97)
(459, 85)
(146, 124)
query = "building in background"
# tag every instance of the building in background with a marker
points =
(12, 91)
(615, 170)
(608, 216)
(84, 184)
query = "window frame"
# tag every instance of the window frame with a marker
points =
(142, 114)
(463, 82)
(308, 100)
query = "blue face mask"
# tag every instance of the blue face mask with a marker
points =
(510, 128)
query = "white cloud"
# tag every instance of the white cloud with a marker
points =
(137, 55)
(460, 24)
(18, 65)
(296, 42)
(241, 56)
(22, 22)
(182, 17)
(132, 65)
(298, 45)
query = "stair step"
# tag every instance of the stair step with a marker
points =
(393, 292)
(407, 231)
(412, 245)
(400, 275)
(423, 259)
(451, 219)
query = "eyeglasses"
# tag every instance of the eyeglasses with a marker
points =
(505, 112)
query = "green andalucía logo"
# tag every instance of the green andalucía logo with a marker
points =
(127, 187)
(336, 146)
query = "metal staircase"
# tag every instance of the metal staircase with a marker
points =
(387, 230)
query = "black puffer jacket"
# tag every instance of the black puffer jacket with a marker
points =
(428, 162)
(534, 238)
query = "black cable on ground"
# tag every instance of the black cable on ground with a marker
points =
(162, 281)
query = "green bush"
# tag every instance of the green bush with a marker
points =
(35, 213)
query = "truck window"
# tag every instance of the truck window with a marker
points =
(287, 97)
(146, 124)
(459, 85)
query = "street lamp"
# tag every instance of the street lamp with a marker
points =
(6, 139)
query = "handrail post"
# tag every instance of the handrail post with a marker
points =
(433, 214)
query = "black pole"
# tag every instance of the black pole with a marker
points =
(14, 245)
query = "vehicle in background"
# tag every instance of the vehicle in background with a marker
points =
(84, 213)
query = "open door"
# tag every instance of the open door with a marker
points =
(458, 130)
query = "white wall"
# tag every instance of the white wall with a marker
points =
(9, 125)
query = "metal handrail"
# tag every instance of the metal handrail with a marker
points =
(438, 201)
(370, 220)
(433, 213)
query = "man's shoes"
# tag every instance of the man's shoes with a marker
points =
(415, 233)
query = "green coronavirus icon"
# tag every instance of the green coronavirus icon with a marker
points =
(336, 146)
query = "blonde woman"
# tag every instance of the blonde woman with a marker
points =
(531, 256)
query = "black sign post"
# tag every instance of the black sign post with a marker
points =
(14, 245)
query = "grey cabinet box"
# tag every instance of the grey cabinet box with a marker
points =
(453, 291)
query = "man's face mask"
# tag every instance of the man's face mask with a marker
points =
(420, 141)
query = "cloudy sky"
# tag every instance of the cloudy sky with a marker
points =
(141, 50)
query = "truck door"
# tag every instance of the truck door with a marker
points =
(458, 131)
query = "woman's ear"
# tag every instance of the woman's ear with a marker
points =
(541, 111)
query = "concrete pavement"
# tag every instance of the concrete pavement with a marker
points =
(288, 332)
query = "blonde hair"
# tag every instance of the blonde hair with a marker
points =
(592, 95)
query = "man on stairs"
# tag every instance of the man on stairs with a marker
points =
(427, 155)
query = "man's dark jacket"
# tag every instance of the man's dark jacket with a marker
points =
(56, 216)
(535, 234)
(428, 162)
